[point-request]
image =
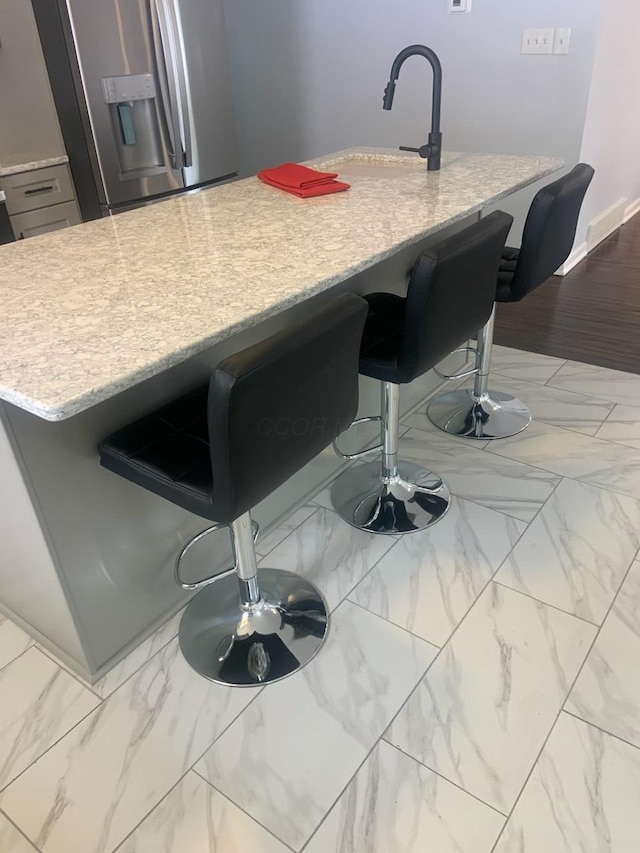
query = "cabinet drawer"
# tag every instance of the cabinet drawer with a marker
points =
(46, 219)
(30, 190)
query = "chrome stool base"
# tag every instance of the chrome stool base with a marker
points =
(245, 645)
(494, 415)
(411, 501)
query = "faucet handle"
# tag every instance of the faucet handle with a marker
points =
(424, 151)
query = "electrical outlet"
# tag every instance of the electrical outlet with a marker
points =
(561, 40)
(538, 40)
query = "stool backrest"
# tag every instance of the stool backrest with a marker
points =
(276, 405)
(451, 293)
(550, 230)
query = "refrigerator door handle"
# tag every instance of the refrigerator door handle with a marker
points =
(165, 64)
(180, 72)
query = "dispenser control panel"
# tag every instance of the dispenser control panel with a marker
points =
(132, 87)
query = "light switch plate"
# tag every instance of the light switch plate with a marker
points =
(538, 40)
(561, 40)
(459, 5)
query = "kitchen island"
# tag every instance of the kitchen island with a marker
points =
(105, 321)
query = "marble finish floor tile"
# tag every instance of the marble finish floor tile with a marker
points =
(482, 712)
(288, 757)
(131, 663)
(100, 780)
(429, 580)
(13, 641)
(138, 657)
(323, 498)
(528, 366)
(11, 841)
(577, 551)
(195, 818)
(554, 406)
(40, 703)
(622, 426)
(395, 805)
(570, 454)
(268, 542)
(607, 692)
(419, 419)
(509, 487)
(598, 381)
(330, 553)
(582, 796)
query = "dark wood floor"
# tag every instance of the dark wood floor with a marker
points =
(590, 315)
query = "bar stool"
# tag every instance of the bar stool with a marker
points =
(547, 241)
(450, 294)
(224, 447)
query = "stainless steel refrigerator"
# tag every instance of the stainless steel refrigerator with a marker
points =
(146, 85)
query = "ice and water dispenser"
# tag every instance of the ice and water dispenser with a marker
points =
(134, 119)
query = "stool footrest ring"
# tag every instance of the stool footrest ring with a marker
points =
(464, 373)
(349, 456)
(223, 573)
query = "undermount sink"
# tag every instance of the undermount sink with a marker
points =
(386, 166)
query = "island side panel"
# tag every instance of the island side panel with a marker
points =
(31, 590)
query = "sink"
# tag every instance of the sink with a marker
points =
(385, 166)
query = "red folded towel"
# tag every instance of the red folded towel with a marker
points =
(302, 181)
(295, 176)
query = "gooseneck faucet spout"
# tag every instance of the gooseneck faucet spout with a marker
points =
(433, 149)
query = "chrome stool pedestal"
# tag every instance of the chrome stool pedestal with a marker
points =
(392, 497)
(480, 413)
(267, 632)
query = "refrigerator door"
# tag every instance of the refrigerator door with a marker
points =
(201, 70)
(116, 51)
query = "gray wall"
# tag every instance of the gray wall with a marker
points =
(309, 76)
(611, 140)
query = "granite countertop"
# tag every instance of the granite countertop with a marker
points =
(30, 165)
(92, 310)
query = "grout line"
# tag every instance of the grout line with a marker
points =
(435, 772)
(19, 831)
(187, 771)
(359, 768)
(489, 580)
(555, 373)
(314, 508)
(18, 656)
(575, 478)
(546, 603)
(389, 622)
(569, 692)
(97, 708)
(69, 671)
(600, 729)
(243, 810)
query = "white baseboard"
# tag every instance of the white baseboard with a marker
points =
(578, 254)
(632, 210)
(599, 229)
(604, 225)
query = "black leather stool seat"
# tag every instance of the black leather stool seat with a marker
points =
(167, 452)
(548, 236)
(220, 449)
(450, 296)
(383, 333)
(505, 274)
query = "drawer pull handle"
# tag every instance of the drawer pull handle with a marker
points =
(38, 190)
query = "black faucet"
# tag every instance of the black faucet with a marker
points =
(433, 149)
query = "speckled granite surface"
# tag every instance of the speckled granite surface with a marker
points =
(92, 310)
(15, 168)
